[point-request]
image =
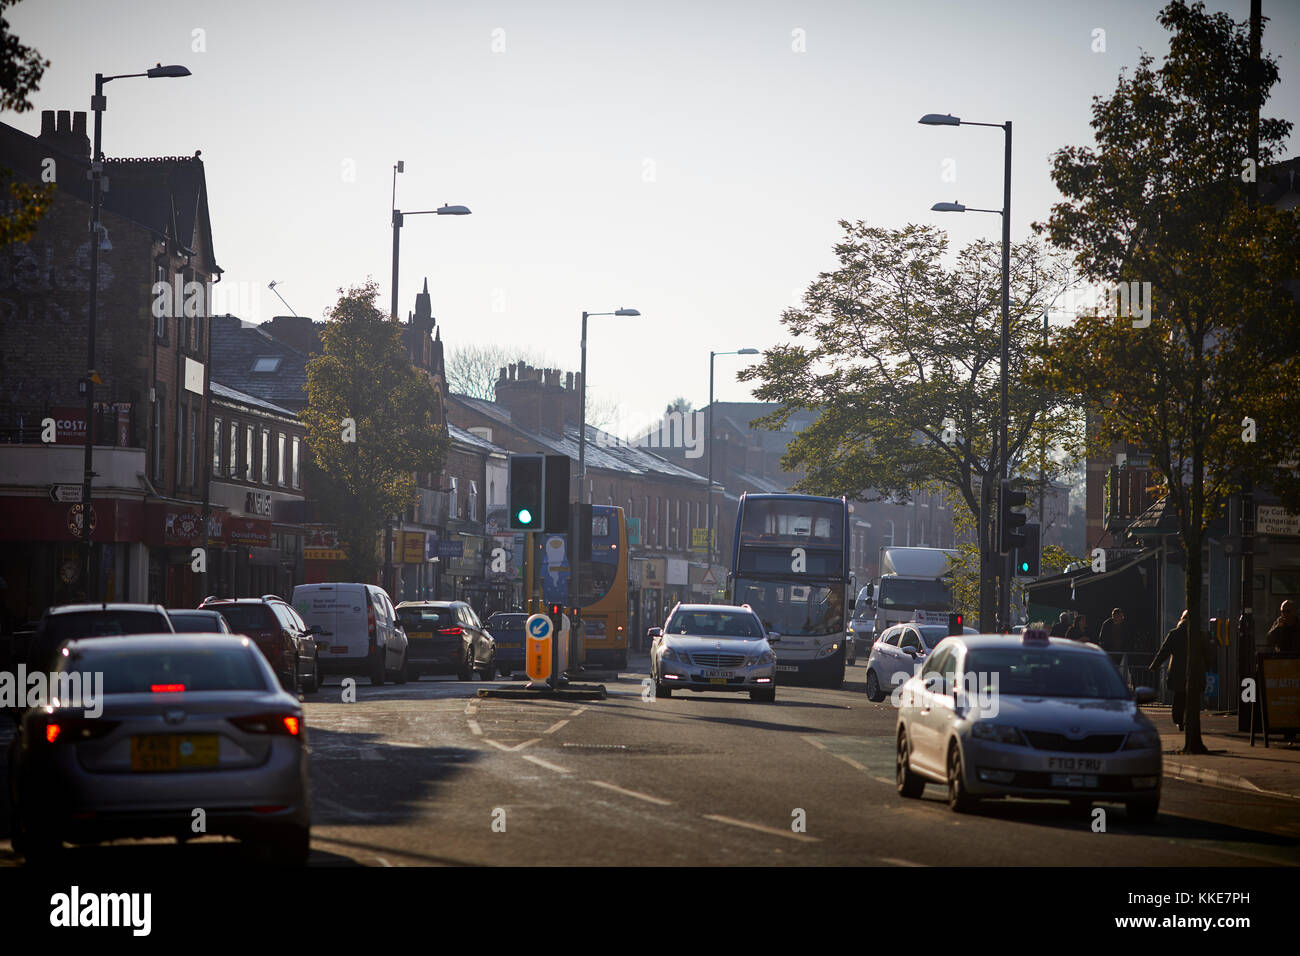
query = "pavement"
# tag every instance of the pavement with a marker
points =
(1232, 762)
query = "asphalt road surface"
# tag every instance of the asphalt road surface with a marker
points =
(427, 774)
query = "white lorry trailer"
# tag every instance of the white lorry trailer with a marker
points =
(913, 586)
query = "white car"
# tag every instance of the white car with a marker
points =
(895, 657)
(995, 715)
(713, 647)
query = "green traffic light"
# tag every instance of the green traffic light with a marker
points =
(1024, 565)
(525, 516)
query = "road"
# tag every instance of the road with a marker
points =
(429, 774)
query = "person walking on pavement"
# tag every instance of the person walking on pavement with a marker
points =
(1174, 648)
(1079, 630)
(1113, 633)
(1062, 625)
(1284, 635)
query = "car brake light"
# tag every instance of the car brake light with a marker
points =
(52, 732)
(283, 725)
(167, 688)
(76, 728)
(450, 630)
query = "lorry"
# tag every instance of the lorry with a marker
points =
(913, 586)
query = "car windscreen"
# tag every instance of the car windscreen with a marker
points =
(243, 618)
(795, 609)
(1046, 672)
(425, 618)
(196, 623)
(723, 624)
(933, 634)
(193, 669)
(507, 622)
(67, 627)
(915, 595)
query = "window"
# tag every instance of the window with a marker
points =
(452, 493)
(248, 453)
(266, 456)
(159, 430)
(182, 418)
(266, 363)
(281, 474)
(195, 461)
(232, 463)
(297, 475)
(216, 447)
(471, 503)
(160, 322)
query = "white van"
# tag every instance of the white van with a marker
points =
(360, 624)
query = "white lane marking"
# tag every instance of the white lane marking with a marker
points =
(542, 763)
(472, 707)
(633, 793)
(474, 728)
(383, 861)
(816, 743)
(501, 746)
(554, 727)
(577, 712)
(773, 831)
(893, 861)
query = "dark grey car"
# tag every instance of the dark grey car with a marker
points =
(446, 637)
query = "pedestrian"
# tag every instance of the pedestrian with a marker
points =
(1062, 625)
(1113, 632)
(1284, 635)
(1079, 630)
(1174, 648)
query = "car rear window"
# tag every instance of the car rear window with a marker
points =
(425, 618)
(196, 623)
(248, 617)
(68, 627)
(196, 669)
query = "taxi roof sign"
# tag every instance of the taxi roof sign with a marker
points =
(1036, 636)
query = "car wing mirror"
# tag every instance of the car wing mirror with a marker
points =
(1144, 695)
(654, 632)
(773, 637)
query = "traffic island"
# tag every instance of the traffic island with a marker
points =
(546, 692)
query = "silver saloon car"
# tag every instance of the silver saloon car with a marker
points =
(1027, 716)
(713, 647)
(156, 726)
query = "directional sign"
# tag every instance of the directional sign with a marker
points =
(65, 492)
(537, 655)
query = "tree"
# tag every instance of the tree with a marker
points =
(372, 421)
(473, 369)
(21, 69)
(1161, 199)
(902, 362)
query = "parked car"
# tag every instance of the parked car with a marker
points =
(861, 633)
(199, 621)
(446, 637)
(361, 625)
(187, 721)
(895, 657)
(991, 715)
(68, 622)
(713, 647)
(287, 641)
(507, 630)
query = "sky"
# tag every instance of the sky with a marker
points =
(690, 160)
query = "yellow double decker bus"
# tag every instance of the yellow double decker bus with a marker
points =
(604, 589)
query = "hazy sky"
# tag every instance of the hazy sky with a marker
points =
(688, 159)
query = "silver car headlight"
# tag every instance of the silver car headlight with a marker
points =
(1142, 740)
(767, 657)
(999, 733)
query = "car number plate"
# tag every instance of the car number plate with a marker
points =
(338, 648)
(1074, 763)
(717, 675)
(173, 751)
(1074, 780)
(786, 667)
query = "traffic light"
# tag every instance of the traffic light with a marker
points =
(556, 517)
(1028, 562)
(526, 492)
(954, 624)
(1010, 522)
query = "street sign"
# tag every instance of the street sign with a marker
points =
(537, 654)
(66, 493)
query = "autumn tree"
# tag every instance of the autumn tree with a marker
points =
(899, 353)
(373, 421)
(21, 69)
(1202, 374)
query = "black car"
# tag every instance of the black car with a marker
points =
(446, 637)
(70, 622)
(284, 638)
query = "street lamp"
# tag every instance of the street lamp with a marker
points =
(1004, 460)
(98, 240)
(709, 517)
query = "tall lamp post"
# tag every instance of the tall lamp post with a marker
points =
(709, 516)
(99, 103)
(575, 536)
(399, 218)
(1004, 458)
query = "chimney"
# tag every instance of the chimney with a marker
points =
(535, 398)
(66, 132)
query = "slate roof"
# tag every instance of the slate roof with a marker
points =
(234, 395)
(235, 346)
(469, 438)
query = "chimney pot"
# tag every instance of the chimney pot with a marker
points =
(79, 123)
(65, 122)
(47, 122)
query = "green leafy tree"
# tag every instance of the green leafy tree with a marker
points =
(900, 355)
(1161, 200)
(362, 387)
(21, 69)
